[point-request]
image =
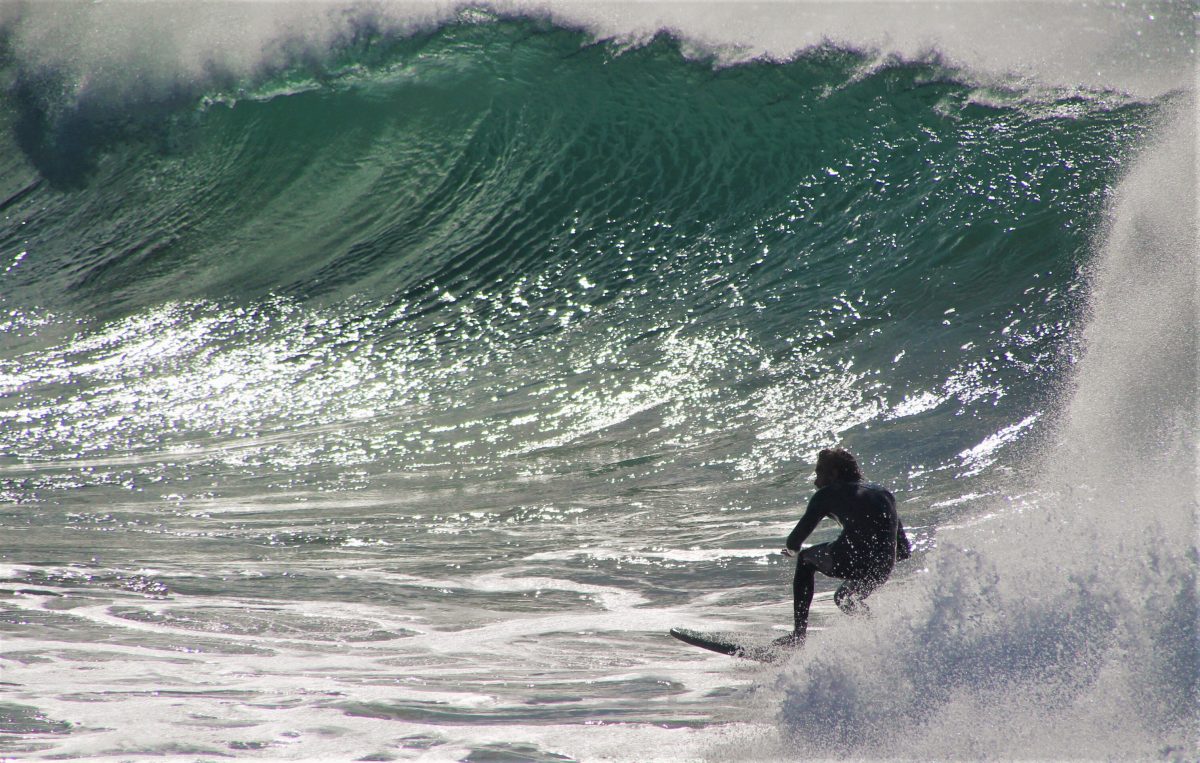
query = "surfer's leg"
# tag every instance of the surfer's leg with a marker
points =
(850, 597)
(811, 561)
(821, 558)
(803, 586)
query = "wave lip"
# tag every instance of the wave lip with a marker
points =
(1144, 48)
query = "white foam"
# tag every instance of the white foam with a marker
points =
(131, 48)
(146, 686)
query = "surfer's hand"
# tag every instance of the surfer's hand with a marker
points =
(788, 552)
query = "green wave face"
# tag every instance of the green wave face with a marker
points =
(502, 151)
(511, 198)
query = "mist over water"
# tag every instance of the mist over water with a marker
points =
(383, 381)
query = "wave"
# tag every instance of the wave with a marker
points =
(851, 239)
(498, 185)
(516, 156)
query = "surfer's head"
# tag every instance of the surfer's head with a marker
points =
(836, 465)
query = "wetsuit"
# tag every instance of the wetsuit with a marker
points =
(863, 555)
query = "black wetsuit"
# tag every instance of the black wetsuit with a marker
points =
(863, 555)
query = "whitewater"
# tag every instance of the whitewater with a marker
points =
(382, 381)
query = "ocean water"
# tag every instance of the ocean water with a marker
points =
(382, 382)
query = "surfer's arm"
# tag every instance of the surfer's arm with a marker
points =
(812, 516)
(903, 547)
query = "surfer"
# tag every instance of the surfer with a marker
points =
(871, 542)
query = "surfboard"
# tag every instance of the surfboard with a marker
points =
(733, 644)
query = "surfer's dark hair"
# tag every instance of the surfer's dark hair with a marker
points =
(842, 462)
